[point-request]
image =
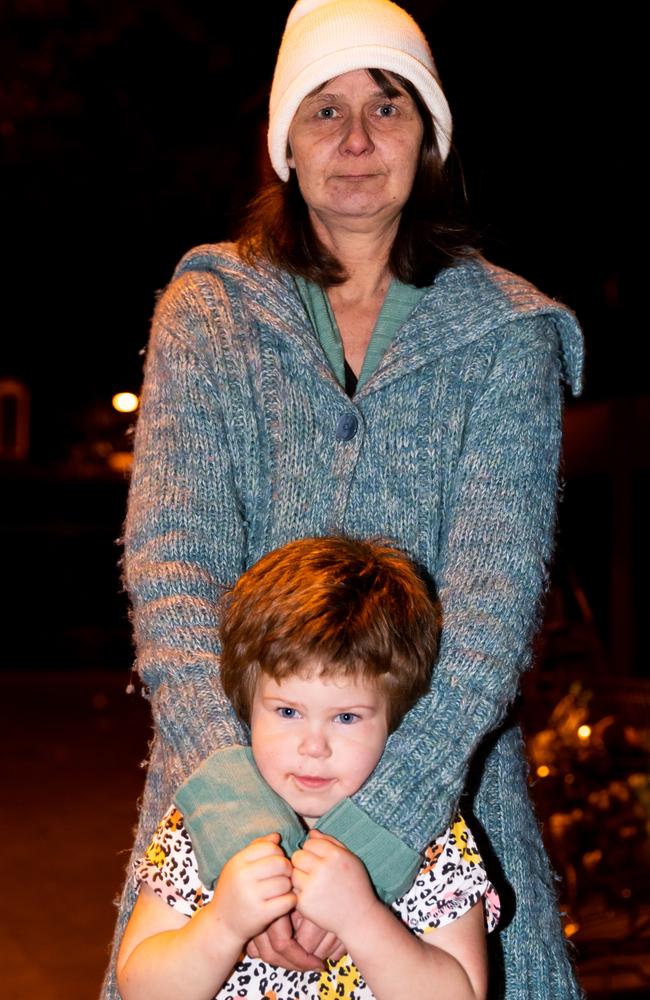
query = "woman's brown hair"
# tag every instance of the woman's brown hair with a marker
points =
(430, 235)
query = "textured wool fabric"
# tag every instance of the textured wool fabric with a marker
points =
(226, 804)
(325, 38)
(451, 448)
(240, 801)
(400, 301)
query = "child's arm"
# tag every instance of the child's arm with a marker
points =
(334, 890)
(449, 964)
(165, 954)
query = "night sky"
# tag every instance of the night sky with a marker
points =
(133, 131)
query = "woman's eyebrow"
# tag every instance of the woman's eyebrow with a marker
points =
(325, 96)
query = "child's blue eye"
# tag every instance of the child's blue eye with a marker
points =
(347, 718)
(287, 713)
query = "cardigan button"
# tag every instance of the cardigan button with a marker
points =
(347, 427)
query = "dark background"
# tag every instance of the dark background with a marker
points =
(133, 131)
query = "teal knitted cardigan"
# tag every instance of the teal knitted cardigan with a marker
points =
(245, 440)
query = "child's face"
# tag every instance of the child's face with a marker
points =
(316, 739)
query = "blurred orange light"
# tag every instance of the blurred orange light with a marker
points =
(543, 771)
(120, 461)
(125, 402)
(584, 732)
(592, 858)
(571, 929)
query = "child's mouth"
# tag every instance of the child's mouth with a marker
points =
(311, 781)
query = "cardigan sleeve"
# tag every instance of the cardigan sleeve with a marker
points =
(185, 541)
(184, 534)
(496, 548)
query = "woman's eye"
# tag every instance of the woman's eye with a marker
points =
(347, 718)
(387, 110)
(287, 713)
(326, 113)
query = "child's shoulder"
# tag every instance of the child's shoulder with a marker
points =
(451, 879)
(169, 866)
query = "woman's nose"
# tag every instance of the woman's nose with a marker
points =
(356, 139)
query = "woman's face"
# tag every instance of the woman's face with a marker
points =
(355, 150)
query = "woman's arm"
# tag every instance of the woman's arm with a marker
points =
(184, 534)
(185, 540)
(497, 543)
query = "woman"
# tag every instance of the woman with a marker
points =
(351, 365)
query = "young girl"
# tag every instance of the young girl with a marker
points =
(326, 644)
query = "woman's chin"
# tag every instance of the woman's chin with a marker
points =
(357, 206)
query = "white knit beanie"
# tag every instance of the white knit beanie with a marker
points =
(325, 38)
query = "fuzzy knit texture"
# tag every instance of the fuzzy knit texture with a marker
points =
(455, 456)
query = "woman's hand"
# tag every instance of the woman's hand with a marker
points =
(296, 943)
(277, 945)
(314, 939)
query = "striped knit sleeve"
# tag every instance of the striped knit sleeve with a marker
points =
(184, 536)
(185, 542)
(497, 545)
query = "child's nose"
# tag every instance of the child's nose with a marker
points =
(315, 744)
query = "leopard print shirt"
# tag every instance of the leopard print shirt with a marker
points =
(451, 880)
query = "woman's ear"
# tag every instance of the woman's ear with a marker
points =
(290, 160)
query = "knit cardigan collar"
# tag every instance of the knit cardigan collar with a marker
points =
(464, 304)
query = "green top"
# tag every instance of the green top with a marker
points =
(400, 301)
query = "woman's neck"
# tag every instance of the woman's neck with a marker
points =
(362, 247)
(363, 251)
